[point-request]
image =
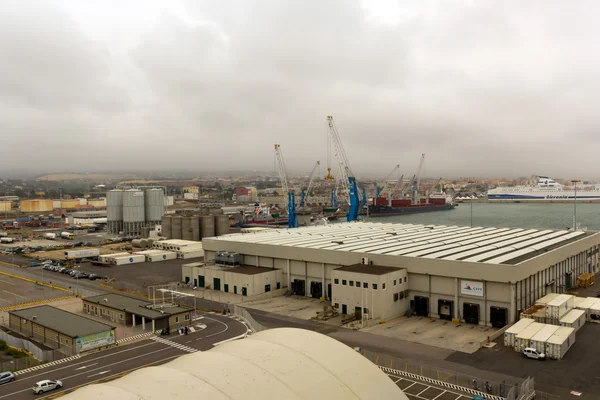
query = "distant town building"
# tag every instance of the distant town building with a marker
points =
(246, 194)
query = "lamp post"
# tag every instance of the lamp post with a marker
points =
(574, 182)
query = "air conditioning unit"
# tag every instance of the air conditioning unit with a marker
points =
(364, 260)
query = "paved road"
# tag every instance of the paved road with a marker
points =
(116, 362)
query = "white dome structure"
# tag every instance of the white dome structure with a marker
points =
(283, 363)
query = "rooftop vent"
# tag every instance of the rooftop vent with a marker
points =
(337, 241)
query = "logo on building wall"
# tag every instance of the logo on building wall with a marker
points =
(471, 288)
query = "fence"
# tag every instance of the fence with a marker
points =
(241, 312)
(38, 355)
(19, 364)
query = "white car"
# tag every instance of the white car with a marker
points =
(46, 386)
(530, 352)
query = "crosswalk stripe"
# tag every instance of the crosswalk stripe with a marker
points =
(175, 344)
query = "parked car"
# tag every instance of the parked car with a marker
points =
(35, 264)
(530, 352)
(85, 260)
(46, 386)
(93, 277)
(6, 377)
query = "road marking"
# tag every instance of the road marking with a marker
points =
(100, 373)
(108, 377)
(189, 341)
(85, 366)
(221, 322)
(8, 301)
(104, 366)
(14, 294)
(439, 395)
(242, 336)
(175, 344)
(10, 283)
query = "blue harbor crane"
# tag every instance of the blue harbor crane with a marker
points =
(290, 200)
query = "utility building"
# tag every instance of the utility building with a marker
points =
(475, 274)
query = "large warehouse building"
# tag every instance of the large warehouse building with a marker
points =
(477, 275)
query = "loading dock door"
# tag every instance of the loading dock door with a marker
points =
(298, 287)
(216, 284)
(471, 313)
(316, 290)
(358, 313)
(445, 309)
(344, 309)
(422, 306)
(201, 282)
(498, 317)
(329, 291)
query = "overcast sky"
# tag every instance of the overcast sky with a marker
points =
(484, 88)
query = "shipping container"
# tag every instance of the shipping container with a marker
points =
(511, 333)
(559, 343)
(577, 301)
(523, 338)
(84, 253)
(537, 312)
(161, 256)
(558, 307)
(184, 255)
(130, 259)
(547, 298)
(586, 304)
(538, 341)
(574, 319)
(594, 312)
(106, 257)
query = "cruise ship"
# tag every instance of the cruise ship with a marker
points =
(545, 189)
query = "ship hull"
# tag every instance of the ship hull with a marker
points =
(387, 211)
(565, 196)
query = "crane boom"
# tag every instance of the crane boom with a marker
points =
(419, 170)
(282, 172)
(388, 181)
(311, 178)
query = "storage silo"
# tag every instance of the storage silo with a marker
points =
(176, 228)
(221, 225)
(207, 226)
(165, 229)
(155, 205)
(114, 211)
(186, 228)
(196, 229)
(134, 215)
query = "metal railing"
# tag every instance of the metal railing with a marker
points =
(243, 313)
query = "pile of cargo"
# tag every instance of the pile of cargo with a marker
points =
(554, 341)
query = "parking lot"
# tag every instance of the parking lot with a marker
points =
(418, 390)
(435, 332)
(16, 291)
(578, 370)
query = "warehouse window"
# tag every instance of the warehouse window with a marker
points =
(187, 317)
(366, 310)
(383, 285)
(85, 307)
(121, 316)
(336, 281)
(406, 293)
(351, 283)
(344, 282)
(337, 305)
(401, 295)
(394, 282)
(365, 285)
(404, 279)
(395, 296)
(357, 284)
(374, 286)
(176, 319)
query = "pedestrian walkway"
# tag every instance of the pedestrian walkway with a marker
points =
(171, 343)
(135, 337)
(46, 365)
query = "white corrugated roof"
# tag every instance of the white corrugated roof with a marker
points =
(283, 363)
(487, 245)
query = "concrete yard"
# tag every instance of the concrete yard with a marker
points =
(293, 306)
(17, 291)
(462, 337)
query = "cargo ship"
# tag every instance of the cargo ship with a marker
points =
(381, 206)
(262, 216)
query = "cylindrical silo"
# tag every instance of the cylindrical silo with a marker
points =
(114, 211)
(196, 229)
(165, 230)
(176, 228)
(145, 232)
(155, 205)
(207, 226)
(221, 225)
(186, 228)
(134, 215)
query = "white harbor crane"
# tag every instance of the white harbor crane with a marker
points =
(311, 179)
(289, 196)
(417, 181)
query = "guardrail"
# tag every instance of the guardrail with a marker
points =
(251, 322)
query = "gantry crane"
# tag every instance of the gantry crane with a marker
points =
(288, 195)
(346, 180)
(311, 178)
(416, 182)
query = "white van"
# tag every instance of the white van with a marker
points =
(530, 352)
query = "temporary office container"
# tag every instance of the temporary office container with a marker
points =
(547, 298)
(190, 254)
(130, 259)
(573, 319)
(577, 301)
(538, 341)
(85, 253)
(559, 343)
(586, 304)
(511, 333)
(523, 338)
(558, 307)
(161, 256)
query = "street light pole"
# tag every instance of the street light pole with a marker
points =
(575, 206)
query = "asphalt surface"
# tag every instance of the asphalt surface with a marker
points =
(116, 362)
